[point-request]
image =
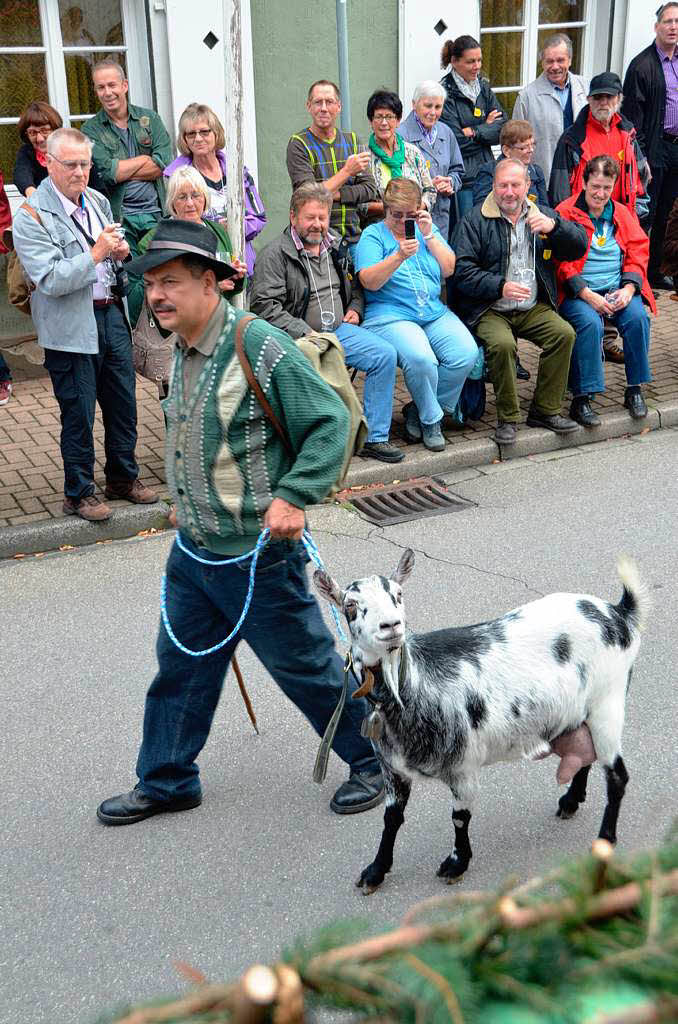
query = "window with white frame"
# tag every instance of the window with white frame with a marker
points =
(512, 33)
(47, 49)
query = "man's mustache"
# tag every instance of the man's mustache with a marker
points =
(162, 307)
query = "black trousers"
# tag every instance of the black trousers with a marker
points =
(79, 382)
(663, 193)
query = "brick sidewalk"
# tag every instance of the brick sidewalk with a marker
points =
(31, 474)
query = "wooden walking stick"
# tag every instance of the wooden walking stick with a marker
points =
(244, 694)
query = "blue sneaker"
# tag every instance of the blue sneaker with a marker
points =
(432, 436)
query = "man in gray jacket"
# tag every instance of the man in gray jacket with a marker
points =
(67, 245)
(552, 101)
(303, 282)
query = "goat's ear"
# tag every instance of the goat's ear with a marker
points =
(326, 586)
(404, 567)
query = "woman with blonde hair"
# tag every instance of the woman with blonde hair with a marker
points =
(201, 140)
(401, 263)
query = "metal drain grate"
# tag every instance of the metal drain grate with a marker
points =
(401, 503)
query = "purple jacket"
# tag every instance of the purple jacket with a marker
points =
(255, 214)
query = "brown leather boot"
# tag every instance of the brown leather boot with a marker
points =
(90, 508)
(135, 492)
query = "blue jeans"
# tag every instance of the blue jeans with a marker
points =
(366, 351)
(79, 382)
(5, 374)
(436, 358)
(285, 630)
(586, 366)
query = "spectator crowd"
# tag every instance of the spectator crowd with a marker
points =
(432, 246)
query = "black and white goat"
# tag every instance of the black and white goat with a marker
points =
(450, 701)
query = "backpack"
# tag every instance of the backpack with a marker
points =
(323, 350)
(19, 287)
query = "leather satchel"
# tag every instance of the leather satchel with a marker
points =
(151, 353)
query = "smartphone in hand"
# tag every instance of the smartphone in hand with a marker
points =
(409, 228)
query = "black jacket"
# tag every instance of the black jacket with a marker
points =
(281, 287)
(644, 102)
(458, 113)
(481, 243)
(28, 173)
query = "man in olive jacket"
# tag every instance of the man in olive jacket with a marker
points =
(131, 150)
(505, 288)
(303, 282)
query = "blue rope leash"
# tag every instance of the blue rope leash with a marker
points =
(262, 541)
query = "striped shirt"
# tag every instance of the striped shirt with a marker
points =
(670, 69)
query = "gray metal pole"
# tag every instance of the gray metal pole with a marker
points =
(342, 51)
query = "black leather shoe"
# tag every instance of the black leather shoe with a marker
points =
(505, 433)
(359, 793)
(581, 411)
(558, 424)
(521, 372)
(384, 451)
(661, 282)
(635, 403)
(134, 806)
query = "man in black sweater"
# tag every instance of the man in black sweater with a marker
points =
(651, 103)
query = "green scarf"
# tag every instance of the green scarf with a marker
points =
(395, 162)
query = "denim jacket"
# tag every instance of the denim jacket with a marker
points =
(53, 258)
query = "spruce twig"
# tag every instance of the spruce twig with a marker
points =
(441, 984)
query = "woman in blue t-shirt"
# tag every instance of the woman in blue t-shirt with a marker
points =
(402, 279)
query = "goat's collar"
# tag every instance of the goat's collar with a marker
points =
(366, 686)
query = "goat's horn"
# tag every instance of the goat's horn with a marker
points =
(366, 687)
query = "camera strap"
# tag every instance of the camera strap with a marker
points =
(81, 228)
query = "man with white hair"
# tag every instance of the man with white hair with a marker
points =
(71, 251)
(438, 145)
(552, 101)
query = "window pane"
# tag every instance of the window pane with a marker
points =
(91, 23)
(22, 79)
(552, 11)
(82, 99)
(9, 145)
(508, 100)
(502, 57)
(576, 35)
(20, 23)
(494, 13)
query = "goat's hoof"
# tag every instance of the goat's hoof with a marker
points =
(369, 881)
(451, 871)
(566, 810)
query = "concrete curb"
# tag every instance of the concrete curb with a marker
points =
(128, 520)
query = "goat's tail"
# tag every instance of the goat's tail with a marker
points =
(635, 600)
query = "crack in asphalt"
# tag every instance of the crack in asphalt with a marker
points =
(376, 533)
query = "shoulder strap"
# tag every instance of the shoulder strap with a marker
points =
(240, 329)
(32, 211)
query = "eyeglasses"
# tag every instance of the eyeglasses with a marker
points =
(72, 165)
(324, 103)
(526, 147)
(43, 130)
(385, 118)
(195, 197)
(399, 215)
(199, 133)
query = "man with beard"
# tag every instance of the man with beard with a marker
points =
(505, 288)
(230, 476)
(600, 130)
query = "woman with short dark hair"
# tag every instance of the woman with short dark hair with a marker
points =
(391, 156)
(608, 283)
(471, 110)
(36, 124)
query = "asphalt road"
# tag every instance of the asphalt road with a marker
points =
(92, 917)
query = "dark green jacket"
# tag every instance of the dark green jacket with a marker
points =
(109, 149)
